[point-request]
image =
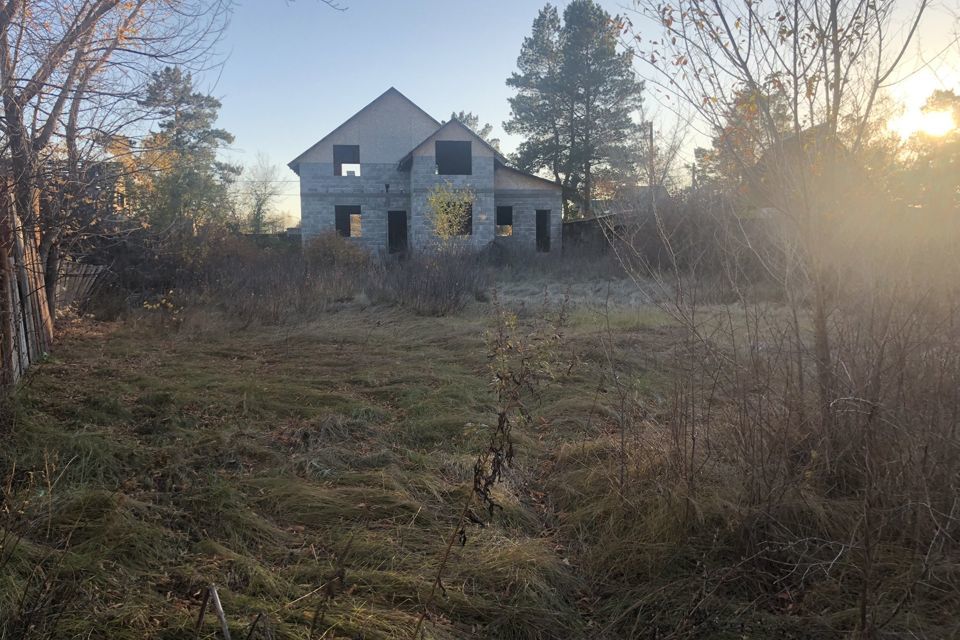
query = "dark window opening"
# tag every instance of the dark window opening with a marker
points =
(346, 160)
(348, 220)
(504, 221)
(543, 230)
(466, 221)
(454, 157)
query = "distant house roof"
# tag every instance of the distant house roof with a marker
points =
(295, 163)
(801, 165)
(794, 147)
(405, 161)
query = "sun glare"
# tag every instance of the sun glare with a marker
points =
(931, 123)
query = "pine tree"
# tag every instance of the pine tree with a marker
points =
(539, 109)
(576, 96)
(187, 184)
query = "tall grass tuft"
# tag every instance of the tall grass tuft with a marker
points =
(807, 458)
(431, 282)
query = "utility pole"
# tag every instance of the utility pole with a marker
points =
(651, 165)
(651, 168)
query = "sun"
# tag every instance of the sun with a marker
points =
(931, 123)
(936, 123)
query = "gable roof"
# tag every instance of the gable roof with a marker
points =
(500, 160)
(295, 163)
(405, 161)
(504, 167)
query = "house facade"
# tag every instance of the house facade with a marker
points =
(370, 178)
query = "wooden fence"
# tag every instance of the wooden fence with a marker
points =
(26, 328)
(76, 282)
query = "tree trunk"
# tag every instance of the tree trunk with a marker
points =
(587, 158)
(52, 277)
(587, 191)
(823, 357)
(10, 364)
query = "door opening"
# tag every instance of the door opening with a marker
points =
(543, 230)
(396, 231)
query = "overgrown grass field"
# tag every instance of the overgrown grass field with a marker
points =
(314, 472)
(153, 460)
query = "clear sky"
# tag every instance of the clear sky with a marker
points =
(293, 70)
(296, 69)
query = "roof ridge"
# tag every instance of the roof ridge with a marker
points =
(496, 153)
(294, 164)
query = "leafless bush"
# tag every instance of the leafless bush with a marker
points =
(702, 231)
(274, 281)
(330, 253)
(278, 281)
(849, 506)
(431, 282)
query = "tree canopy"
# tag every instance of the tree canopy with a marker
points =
(932, 178)
(576, 96)
(185, 183)
(472, 121)
(742, 136)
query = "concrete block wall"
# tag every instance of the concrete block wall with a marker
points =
(525, 204)
(321, 192)
(387, 130)
(423, 179)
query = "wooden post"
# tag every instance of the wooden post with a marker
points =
(218, 609)
(203, 610)
(9, 360)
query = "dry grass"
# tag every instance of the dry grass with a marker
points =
(265, 458)
(715, 517)
(261, 460)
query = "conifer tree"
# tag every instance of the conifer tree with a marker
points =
(576, 97)
(187, 184)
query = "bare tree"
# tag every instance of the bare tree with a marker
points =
(69, 77)
(262, 190)
(828, 302)
(826, 61)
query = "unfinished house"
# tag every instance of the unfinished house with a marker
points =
(369, 180)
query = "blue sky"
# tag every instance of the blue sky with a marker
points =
(294, 70)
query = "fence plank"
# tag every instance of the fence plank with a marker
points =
(26, 328)
(9, 336)
(76, 282)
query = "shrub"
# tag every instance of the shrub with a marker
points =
(450, 210)
(436, 282)
(273, 283)
(278, 281)
(329, 251)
